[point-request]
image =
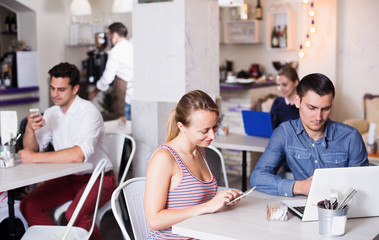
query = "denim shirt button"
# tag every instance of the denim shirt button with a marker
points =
(313, 144)
(316, 161)
(285, 194)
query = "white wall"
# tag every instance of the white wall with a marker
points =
(51, 25)
(357, 59)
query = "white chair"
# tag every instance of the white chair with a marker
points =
(133, 191)
(115, 144)
(41, 232)
(217, 165)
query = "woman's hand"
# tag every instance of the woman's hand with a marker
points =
(222, 198)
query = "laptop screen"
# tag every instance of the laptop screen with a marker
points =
(257, 123)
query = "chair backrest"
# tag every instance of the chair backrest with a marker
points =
(217, 165)
(370, 107)
(133, 191)
(264, 104)
(115, 142)
(99, 171)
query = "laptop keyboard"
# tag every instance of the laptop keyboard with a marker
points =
(300, 209)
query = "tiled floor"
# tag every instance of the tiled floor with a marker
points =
(109, 228)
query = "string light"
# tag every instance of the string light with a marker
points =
(311, 11)
(301, 53)
(305, 2)
(307, 42)
(312, 28)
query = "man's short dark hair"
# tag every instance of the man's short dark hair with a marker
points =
(118, 28)
(316, 82)
(66, 69)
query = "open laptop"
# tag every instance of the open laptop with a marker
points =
(257, 123)
(365, 201)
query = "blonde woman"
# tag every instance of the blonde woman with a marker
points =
(179, 183)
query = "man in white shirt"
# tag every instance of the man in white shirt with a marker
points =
(119, 70)
(75, 128)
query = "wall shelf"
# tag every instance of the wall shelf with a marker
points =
(240, 32)
(282, 19)
(15, 96)
(18, 90)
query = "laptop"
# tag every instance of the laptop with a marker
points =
(363, 179)
(257, 123)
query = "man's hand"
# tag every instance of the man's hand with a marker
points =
(35, 122)
(27, 155)
(302, 187)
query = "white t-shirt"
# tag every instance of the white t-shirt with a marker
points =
(120, 63)
(82, 125)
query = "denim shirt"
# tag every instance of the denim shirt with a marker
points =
(341, 146)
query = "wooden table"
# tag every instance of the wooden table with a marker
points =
(243, 143)
(247, 220)
(26, 174)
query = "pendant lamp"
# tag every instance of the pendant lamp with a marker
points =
(80, 7)
(122, 6)
(230, 3)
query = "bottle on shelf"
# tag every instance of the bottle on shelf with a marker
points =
(284, 37)
(275, 37)
(7, 24)
(13, 24)
(279, 35)
(258, 11)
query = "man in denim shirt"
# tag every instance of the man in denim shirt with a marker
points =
(309, 142)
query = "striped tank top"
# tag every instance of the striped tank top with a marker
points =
(190, 191)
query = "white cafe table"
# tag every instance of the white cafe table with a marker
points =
(247, 220)
(26, 174)
(243, 143)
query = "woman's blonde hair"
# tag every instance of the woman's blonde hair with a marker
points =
(190, 102)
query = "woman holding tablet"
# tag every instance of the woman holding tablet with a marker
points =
(179, 183)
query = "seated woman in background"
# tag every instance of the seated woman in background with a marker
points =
(179, 183)
(283, 108)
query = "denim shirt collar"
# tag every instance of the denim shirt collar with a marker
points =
(328, 134)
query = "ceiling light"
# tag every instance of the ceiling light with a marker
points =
(230, 3)
(122, 6)
(80, 7)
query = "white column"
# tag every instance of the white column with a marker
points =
(176, 45)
